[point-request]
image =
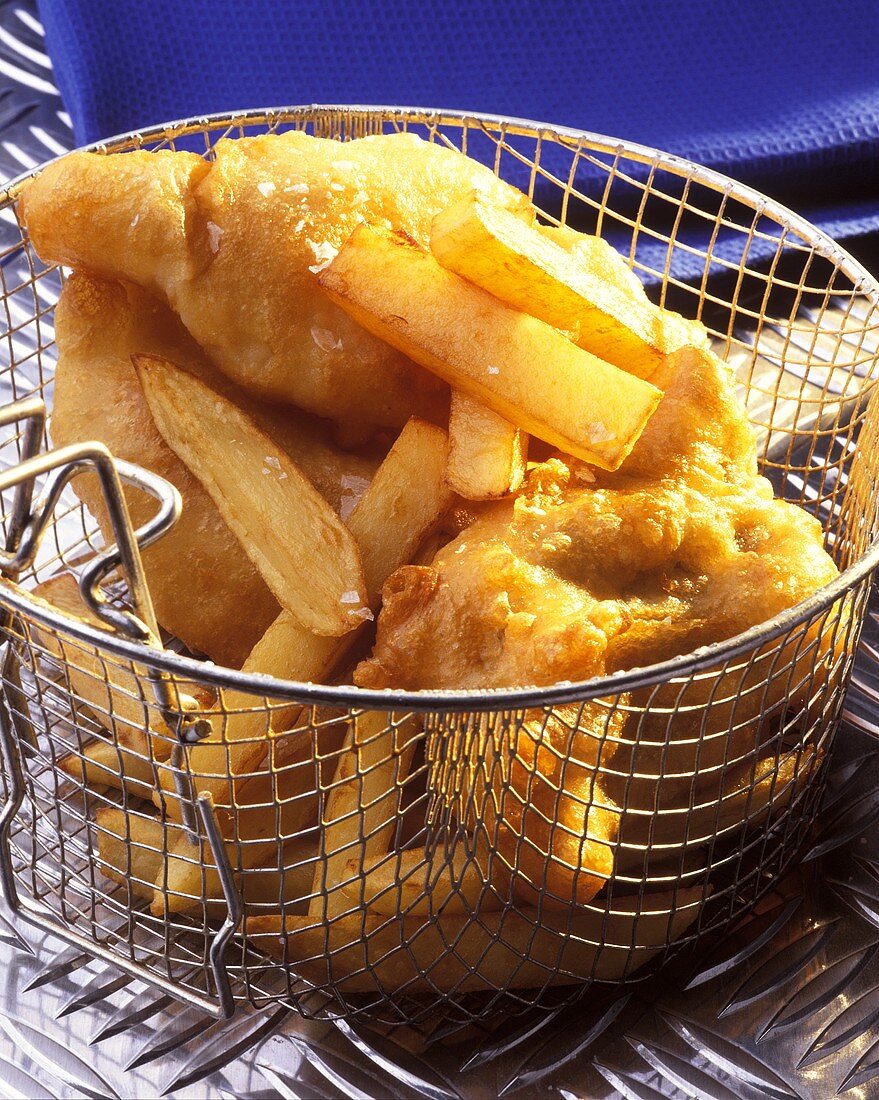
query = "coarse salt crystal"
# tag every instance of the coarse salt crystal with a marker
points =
(350, 597)
(353, 488)
(214, 235)
(337, 186)
(362, 613)
(299, 226)
(493, 370)
(271, 460)
(324, 254)
(135, 220)
(598, 433)
(296, 189)
(265, 188)
(326, 340)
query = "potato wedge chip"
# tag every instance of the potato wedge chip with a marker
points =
(102, 764)
(487, 454)
(496, 250)
(302, 549)
(365, 800)
(520, 367)
(130, 852)
(412, 883)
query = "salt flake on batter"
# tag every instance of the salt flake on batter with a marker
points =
(324, 254)
(598, 433)
(214, 235)
(326, 340)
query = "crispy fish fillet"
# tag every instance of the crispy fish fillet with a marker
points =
(586, 573)
(204, 587)
(234, 246)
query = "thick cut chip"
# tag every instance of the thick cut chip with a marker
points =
(522, 368)
(487, 454)
(103, 764)
(304, 552)
(496, 250)
(362, 808)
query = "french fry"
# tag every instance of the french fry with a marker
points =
(411, 883)
(514, 949)
(364, 803)
(405, 500)
(188, 874)
(494, 249)
(304, 552)
(487, 454)
(130, 852)
(598, 256)
(103, 764)
(519, 366)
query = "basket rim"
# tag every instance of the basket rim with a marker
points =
(19, 599)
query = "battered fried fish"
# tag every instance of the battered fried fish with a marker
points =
(234, 245)
(204, 587)
(586, 573)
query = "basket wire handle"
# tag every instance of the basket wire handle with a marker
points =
(29, 521)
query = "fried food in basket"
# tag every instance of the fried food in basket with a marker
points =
(233, 246)
(204, 587)
(526, 371)
(457, 953)
(584, 573)
(404, 502)
(358, 283)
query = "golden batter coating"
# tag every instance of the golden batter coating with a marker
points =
(234, 246)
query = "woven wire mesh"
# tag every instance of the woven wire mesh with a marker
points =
(453, 854)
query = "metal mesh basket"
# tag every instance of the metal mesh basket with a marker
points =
(417, 845)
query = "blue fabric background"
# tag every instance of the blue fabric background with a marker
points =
(782, 95)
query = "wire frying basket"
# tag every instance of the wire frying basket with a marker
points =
(399, 855)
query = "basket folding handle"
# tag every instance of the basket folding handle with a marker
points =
(29, 520)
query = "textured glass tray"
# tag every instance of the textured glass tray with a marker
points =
(785, 1006)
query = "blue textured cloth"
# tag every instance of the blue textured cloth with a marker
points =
(782, 95)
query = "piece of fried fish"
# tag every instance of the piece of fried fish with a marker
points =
(234, 246)
(584, 573)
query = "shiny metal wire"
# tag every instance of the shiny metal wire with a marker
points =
(418, 845)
